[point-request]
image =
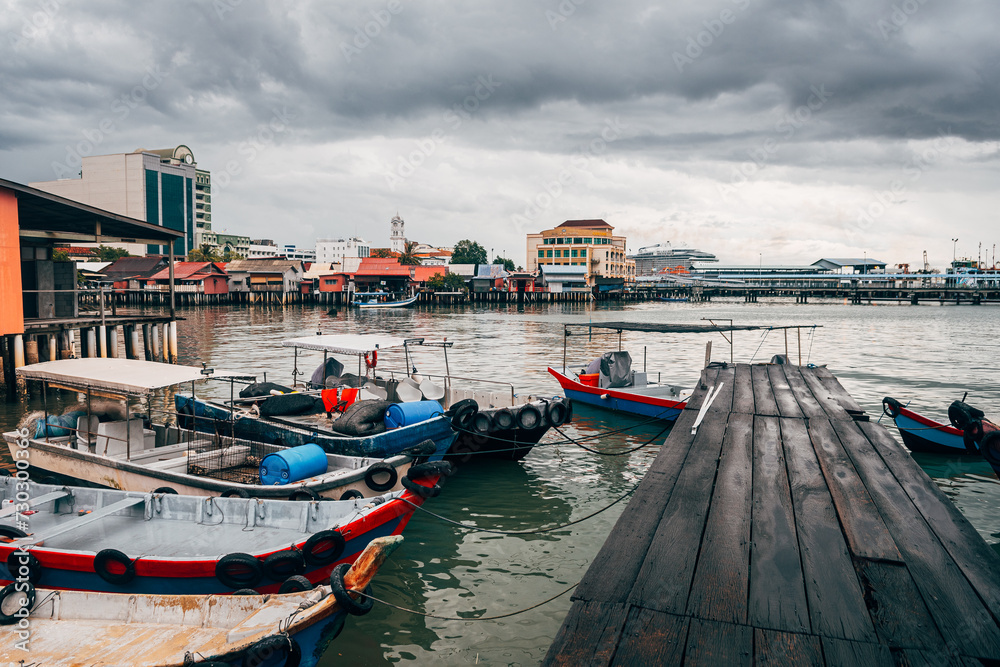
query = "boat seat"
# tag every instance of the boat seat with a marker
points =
(86, 429)
(118, 438)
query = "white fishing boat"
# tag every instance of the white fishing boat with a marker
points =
(134, 452)
(378, 300)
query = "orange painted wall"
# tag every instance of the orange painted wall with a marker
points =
(11, 309)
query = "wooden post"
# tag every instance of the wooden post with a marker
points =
(708, 353)
(102, 335)
(31, 351)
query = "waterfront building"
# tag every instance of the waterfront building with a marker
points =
(289, 251)
(263, 249)
(336, 250)
(397, 234)
(265, 276)
(663, 257)
(562, 278)
(226, 243)
(590, 244)
(192, 278)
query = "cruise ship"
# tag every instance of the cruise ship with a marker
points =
(653, 259)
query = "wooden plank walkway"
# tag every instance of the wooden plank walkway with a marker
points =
(789, 530)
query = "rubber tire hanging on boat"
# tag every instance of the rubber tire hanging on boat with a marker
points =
(35, 569)
(318, 540)
(165, 489)
(185, 417)
(463, 413)
(247, 591)
(304, 493)
(261, 651)
(108, 557)
(482, 423)
(529, 417)
(430, 469)
(555, 413)
(351, 494)
(989, 447)
(234, 492)
(239, 570)
(346, 602)
(503, 420)
(281, 565)
(295, 584)
(12, 532)
(891, 407)
(377, 468)
(420, 489)
(27, 595)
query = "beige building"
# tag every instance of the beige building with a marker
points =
(588, 243)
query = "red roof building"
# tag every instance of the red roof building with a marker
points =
(207, 277)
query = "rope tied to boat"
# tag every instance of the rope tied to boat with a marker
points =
(533, 531)
(468, 618)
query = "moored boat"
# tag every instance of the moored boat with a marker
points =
(655, 401)
(71, 628)
(922, 434)
(372, 300)
(118, 541)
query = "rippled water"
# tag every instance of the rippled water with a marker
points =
(927, 354)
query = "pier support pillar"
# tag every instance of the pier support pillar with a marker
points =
(113, 342)
(154, 344)
(92, 343)
(31, 352)
(102, 341)
(18, 350)
(173, 341)
(53, 347)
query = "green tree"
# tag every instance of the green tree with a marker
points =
(468, 252)
(109, 254)
(206, 253)
(60, 255)
(508, 264)
(229, 256)
(407, 257)
(449, 282)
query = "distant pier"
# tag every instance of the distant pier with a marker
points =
(789, 530)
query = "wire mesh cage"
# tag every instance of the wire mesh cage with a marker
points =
(228, 459)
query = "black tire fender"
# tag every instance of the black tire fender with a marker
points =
(351, 494)
(891, 407)
(304, 493)
(17, 560)
(420, 489)
(377, 468)
(25, 601)
(247, 591)
(234, 492)
(185, 417)
(529, 417)
(239, 570)
(344, 599)
(324, 547)
(281, 565)
(295, 584)
(503, 419)
(166, 490)
(462, 414)
(114, 567)
(482, 423)
(555, 414)
(262, 651)
(430, 469)
(12, 532)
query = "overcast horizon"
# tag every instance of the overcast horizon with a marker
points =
(775, 132)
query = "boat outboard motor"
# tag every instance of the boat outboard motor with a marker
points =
(616, 368)
(333, 369)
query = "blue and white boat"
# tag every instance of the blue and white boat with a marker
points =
(922, 434)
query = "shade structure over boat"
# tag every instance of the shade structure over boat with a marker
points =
(346, 343)
(656, 327)
(124, 376)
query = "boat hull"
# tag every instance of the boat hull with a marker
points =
(620, 400)
(921, 434)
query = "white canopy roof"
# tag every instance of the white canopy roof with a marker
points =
(124, 376)
(346, 343)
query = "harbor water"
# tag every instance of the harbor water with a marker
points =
(456, 579)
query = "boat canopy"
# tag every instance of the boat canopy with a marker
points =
(122, 376)
(655, 327)
(347, 343)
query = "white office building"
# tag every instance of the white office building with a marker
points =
(335, 250)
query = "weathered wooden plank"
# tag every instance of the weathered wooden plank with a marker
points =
(743, 390)
(844, 653)
(777, 598)
(676, 446)
(664, 581)
(824, 396)
(588, 636)
(651, 638)
(918, 658)
(803, 395)
(783, 397)
(772, 648)
(896, 606)
(707, 379)
(836, 603)
(726, 381)
(956, 608)
(763, 395)
(838, 391)
(867, 535)
(977, 560)
(714, 644)
(719, 589)
(612, 572)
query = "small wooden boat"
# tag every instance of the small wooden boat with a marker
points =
(371, 300)
(922, 434)
(139, 454)
(119, 541)
(73, 629)
(657, 401)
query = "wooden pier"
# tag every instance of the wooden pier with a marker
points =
(789, 530)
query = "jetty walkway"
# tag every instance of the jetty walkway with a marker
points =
(789, 530)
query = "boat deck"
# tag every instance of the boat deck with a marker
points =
(788, 530)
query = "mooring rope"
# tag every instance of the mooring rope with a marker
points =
(460, 618)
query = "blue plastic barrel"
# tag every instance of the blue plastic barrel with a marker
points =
(414, 412)
(293, 464)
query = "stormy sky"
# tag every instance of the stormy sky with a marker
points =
(774, 131)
